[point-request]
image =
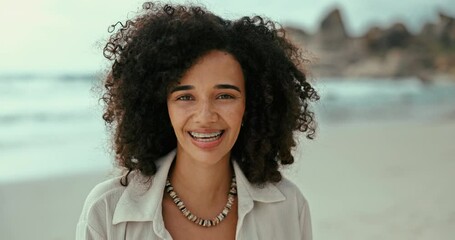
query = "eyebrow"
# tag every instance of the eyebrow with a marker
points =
(218, 86)
(227, 86)
(181, 88)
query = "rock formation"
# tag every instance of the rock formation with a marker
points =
(393, 52)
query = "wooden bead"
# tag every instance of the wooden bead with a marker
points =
(197, 220)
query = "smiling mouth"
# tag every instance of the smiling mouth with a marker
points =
(206, 137)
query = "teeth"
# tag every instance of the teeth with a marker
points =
(207, 139)
(206, 135)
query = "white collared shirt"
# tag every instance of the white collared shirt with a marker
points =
(112, 211)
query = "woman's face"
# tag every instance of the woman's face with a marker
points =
(206, 108)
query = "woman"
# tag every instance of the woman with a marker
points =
(204, 112)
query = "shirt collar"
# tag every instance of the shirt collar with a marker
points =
(142, 199)
(267, 193)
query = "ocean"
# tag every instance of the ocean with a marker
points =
(52, 125)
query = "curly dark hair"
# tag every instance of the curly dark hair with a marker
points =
(151, 52)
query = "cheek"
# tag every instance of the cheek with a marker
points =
(173, 116)
(235, 115)
(179, 116)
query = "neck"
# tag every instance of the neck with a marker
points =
(202, 184)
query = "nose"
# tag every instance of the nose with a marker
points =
(205, 112)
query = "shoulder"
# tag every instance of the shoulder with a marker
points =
(292, 193)
(103, 197)
(106, 189)
(290, 211)
(299, 203)
(98, 208)
(289, 189)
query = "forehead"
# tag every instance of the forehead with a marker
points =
(215, 67)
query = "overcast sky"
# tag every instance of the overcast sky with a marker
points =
(66, 35)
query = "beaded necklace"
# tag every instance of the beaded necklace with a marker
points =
(197, 220)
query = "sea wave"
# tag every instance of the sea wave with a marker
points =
(38, 117)
(64, 77)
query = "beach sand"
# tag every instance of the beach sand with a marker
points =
(380, 181)
(363, 181)
(45, 208)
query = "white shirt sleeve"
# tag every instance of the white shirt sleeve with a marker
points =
(305, 223)
(85, 232)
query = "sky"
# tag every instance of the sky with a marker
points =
(66, 36)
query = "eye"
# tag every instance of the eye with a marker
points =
(185, 98)
(225, 96)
